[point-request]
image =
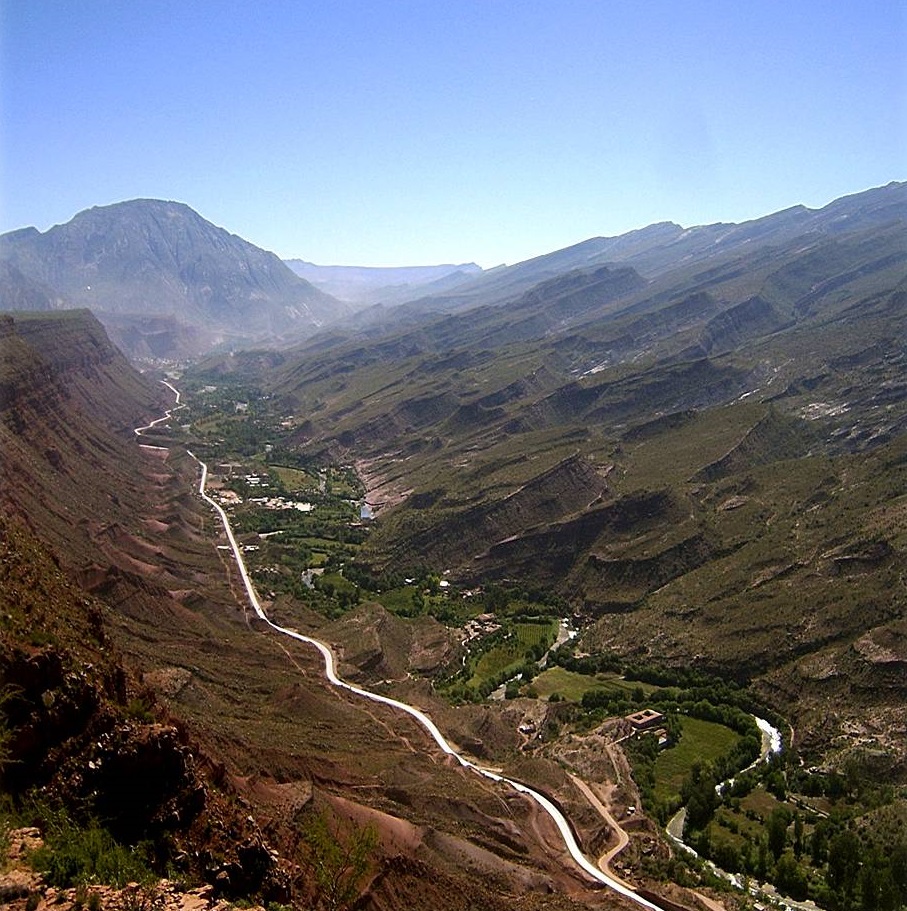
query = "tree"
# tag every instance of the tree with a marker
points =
(798, 835)
(819, 844)
(496, 599)
(727, 856)
(338, 860)
(528, 672)
(843, 862)
(897, 860)
(7, 693)
(790, 878)
(776, 831)
(699, 795)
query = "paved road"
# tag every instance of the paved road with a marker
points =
(330, 672)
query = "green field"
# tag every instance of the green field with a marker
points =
(572, 686)
(567, 684)
(295, 478)
(511, 652)
(398, 600)
(702, 741)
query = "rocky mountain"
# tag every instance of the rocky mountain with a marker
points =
(162, 279)
(22, 293)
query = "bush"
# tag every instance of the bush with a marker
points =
(72, 856)
(139, 709)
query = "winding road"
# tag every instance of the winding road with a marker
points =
(329, 669)
(544, 802)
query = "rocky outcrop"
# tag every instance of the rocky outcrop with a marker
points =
(737, 325)
(555, 553)
(773, 438)
(609, 583)
(24, 889)
(569, 487)
(83, 732)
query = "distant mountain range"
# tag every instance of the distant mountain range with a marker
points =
(166, 283)
(365, 285)
(662, 248)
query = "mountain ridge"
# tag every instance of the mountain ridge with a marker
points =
(168, 283)
(152, 258)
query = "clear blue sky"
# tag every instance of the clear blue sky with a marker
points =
(404, 132)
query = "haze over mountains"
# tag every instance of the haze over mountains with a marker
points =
(166, 283)
(363, 285)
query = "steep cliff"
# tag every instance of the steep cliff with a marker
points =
(68, 403)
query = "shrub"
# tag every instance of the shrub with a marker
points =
(72, 856)
(139, 709)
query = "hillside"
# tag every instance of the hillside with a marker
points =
(133, 660)
(692, 449)
(163, 280)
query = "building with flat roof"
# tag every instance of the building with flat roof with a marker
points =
(645, 719)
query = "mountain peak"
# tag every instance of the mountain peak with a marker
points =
(151, 259)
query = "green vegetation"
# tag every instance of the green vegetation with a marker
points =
(519, 643)
(293, 515)
(509, 653)
(810, 833)
(567, 684)
(700, 742)
(6, 694)
(339, 859)
(75, 855)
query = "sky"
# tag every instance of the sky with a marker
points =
(414, 132)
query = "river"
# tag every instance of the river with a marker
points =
(327, 655)
(544, 802)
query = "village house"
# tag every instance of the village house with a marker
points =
(645, 720)
(649, 721)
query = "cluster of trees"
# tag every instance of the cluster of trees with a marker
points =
(831, 864)
(516, 673)
(589, 665)
(843, 861)
(606, 702)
